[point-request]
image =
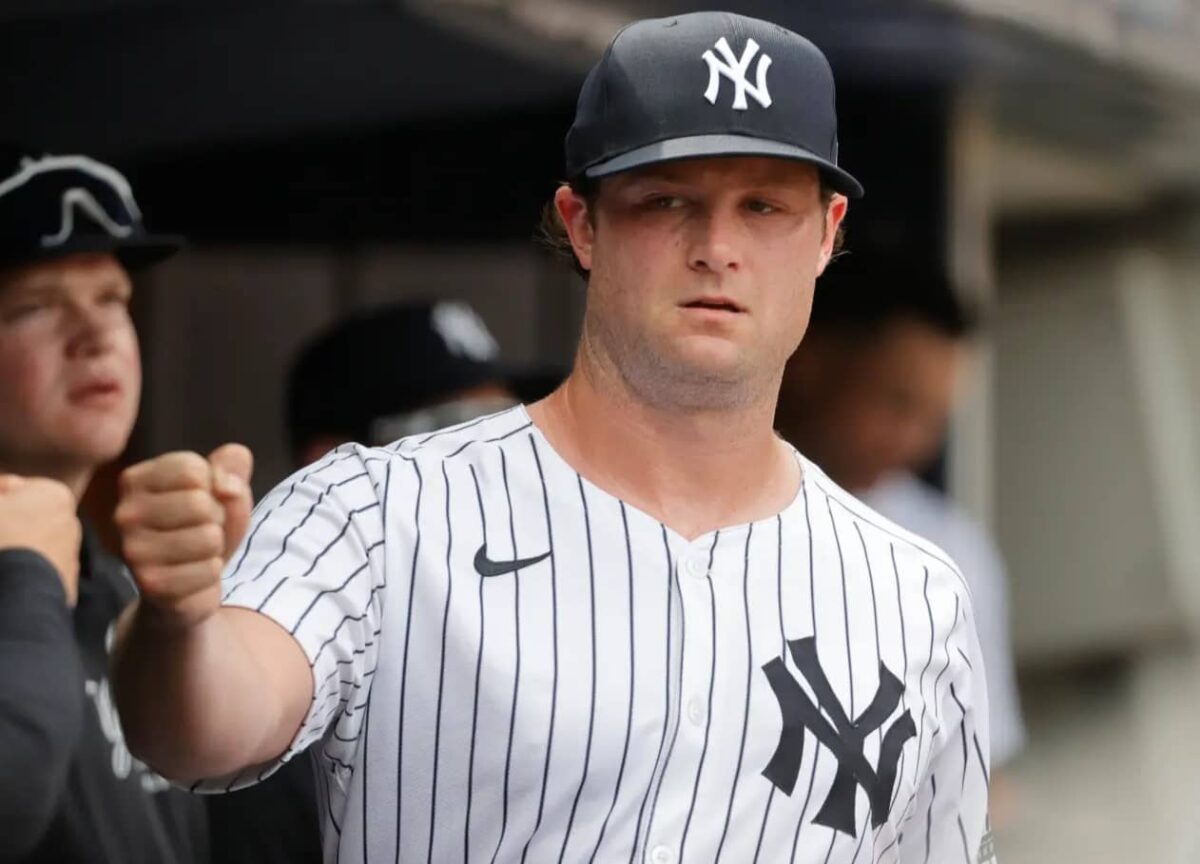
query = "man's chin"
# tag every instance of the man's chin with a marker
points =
(715, 359)
(96, 447)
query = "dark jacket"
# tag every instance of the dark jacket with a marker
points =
(69, 790)
(110, 807)
(41, 698)
(272, 822)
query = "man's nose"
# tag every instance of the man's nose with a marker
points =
(716, 242)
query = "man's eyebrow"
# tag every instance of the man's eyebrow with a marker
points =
(41, 288)
(114, 282)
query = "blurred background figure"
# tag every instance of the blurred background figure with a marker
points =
(868, 397)
(70, 383)
(400, 370)
(41, 680)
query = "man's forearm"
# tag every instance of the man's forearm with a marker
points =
(210, 699)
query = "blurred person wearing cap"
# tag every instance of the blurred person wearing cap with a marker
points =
(70, 381)
(627, 622)
(868, 397)
(440, 363)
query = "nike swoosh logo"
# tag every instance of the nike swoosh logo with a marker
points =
(487, 567)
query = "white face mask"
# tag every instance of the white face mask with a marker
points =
(385, 430)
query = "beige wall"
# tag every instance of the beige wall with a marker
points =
(1097, 430)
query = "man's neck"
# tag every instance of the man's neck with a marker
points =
(695, 470)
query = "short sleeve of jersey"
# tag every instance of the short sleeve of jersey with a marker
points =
(949, 817)
(312, 561)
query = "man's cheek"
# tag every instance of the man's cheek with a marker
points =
(21, 383)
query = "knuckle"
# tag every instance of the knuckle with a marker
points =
(193, 470)
(197, 504)
(132, 549)
(151, 580)
(57, 492)
(212, 538)
(132, 477)
(199, 501)
(39, 487)
(125, 516)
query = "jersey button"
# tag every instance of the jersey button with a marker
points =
(662, 855)
(696, 566)
(696, 710)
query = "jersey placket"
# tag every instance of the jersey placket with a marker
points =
(674, 818)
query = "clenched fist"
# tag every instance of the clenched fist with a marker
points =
(181, 516)
(39, 514)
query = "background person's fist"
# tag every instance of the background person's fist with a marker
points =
(181, 516)
(39, 514)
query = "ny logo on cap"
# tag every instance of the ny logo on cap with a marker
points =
(463, 331)
(735, 70)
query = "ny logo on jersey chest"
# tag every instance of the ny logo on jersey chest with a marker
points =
(735, 69)
(841, 736)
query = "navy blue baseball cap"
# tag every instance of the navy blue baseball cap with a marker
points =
(361, 376)
(54, 206)
(706, 84)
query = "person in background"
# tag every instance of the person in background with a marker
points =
(41, 681)
(868, 396)
(71, 235)
(438, 365)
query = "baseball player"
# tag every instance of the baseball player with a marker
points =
(70, 380)
(628, 622)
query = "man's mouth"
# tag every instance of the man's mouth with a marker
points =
(715, 304)
(97, 389)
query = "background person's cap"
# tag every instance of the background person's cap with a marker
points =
(364, 373)
(706, 84)
(54, 206)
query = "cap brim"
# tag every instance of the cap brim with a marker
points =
(145, 251)
(698, 146)
(134, 253)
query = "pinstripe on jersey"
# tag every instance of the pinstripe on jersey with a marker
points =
(630, 696)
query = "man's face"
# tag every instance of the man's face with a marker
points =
(874, 405)
(702, 273)
(70, 375)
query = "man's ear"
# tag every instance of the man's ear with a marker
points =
(835, 214)
(573, 211)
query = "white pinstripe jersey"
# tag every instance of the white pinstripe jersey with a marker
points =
(513, 665)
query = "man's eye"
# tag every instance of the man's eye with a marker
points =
(757, 206)
(666, 202)
(24, 310)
